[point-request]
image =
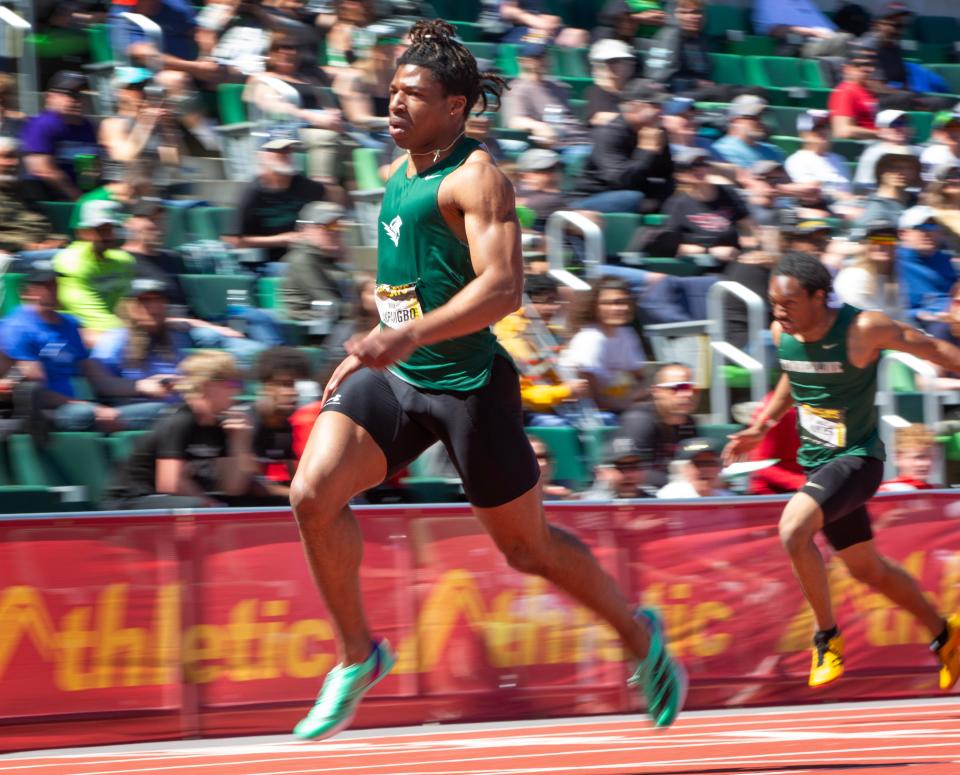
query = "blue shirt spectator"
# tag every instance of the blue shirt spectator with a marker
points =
(55, 344)
(925, 271)
(743, 145)
(770, 14)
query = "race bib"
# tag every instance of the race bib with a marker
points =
(398, 304)
(827, 426)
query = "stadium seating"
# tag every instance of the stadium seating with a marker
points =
(208, 294)
(76, 461)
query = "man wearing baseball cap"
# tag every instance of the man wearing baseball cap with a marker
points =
(269, 206)
(944, 147)
(894, 133)
(95, 272)
(745, 140)
(313, 269)
(814, 162)
(54, 139)
(623, 473)
(698, 465)
(924, 269)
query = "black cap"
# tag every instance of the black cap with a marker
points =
(40, 273)
(147, 207)
(690, 448)
(686, 157)
(858, 53)
(622, 447)
(639, 90)
(68, 81)
(538, 284)
(141, 286)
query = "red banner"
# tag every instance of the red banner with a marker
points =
(210, 623)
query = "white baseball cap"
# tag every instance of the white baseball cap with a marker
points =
(917, 216)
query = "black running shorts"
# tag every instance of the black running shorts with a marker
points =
(842, 487)
(482, 429)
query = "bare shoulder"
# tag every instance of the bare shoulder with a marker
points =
(872, 322)
(478, 184)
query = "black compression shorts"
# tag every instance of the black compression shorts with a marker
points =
(482, 429)
(842, 487)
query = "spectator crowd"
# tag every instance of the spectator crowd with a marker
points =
(186, 230)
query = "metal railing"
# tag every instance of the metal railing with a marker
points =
(593, 241)
(16, 42)
(722, 352)
(887, 405)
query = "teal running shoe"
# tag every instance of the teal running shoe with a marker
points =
(341, 693)
(662, 681)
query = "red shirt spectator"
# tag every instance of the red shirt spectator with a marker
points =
(854, 101)
(781, 441)
(904, 483)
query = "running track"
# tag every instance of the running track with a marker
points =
(902, 738)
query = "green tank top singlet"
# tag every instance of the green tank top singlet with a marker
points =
(421, 265)
(836, 409)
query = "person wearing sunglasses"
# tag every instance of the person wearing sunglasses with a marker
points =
(868, 280)
(943, 195)
(924, 269)
(853, 104)
(658, 426)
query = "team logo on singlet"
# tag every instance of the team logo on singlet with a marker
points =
(393, 230)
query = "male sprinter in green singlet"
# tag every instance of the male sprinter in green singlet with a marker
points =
(829, 361)
(449, 265)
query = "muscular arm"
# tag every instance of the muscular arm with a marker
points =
(480, 195)
(876, 332)
(486, 199)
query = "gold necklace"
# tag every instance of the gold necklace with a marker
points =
(436, 153)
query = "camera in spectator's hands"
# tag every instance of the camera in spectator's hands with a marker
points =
(155, 94)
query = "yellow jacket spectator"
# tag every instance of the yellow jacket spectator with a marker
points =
(532, 346)
(94, 273)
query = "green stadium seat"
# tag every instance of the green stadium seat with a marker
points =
(469, 32)
(951, 74)
(209, 223)
(230, 102)
(119, 445)
(618, 231)
(564, 446)
(927, 53)
(782, 120)
(459, 10)
(526, 216)
(725, 19)
(569, 62)
(67, 460)
(176, 227)
(851, 150)
(787, 144)
(268, 292)
(579, 109)
(752, 45)
(207, 293)
(678, 267)
(944, 30)
(655, 219)
(9, 292)
(781, 72)
(729, 68)
(594, 442)
(719, 432)
(60, 214)
(506, 59)
(922, 122)
(101, 48)
(366, 169)
(578, 86)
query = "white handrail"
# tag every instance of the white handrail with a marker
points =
(16, 42)
(721, 351)
(887, 403)
(593, 242)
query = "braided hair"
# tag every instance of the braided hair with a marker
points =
(432, 46)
